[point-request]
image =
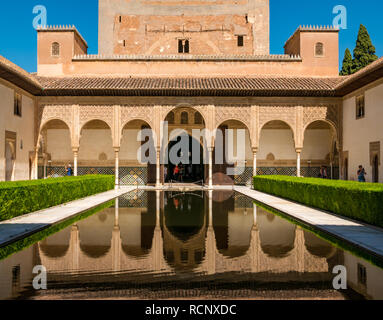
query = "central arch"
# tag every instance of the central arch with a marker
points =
(181, 121)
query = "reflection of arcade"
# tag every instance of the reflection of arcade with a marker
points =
(184, 229)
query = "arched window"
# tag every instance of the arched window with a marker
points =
(184, 118)
(319, 49)
(198, 118)
(55, 49)
(170, 118)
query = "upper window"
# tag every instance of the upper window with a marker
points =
(17, 104)
(184, 118)
(183, 46)
(55, 49)
(170, 118)
(198, 118)
(319, 49)
(240, 41)
(360, 107)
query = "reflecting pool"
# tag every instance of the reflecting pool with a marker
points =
(199, 244)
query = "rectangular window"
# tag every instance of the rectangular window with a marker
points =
(17, 105)
(240, 41)
(362, 274)
(360, 107)
(183, 46)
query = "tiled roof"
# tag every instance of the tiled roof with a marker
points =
(18, 76)
(256, 86)
(369, 74)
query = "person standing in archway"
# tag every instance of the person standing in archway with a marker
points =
(69, 170)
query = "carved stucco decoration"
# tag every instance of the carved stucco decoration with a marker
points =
(136, 112)
(96, 112)
(239, 113)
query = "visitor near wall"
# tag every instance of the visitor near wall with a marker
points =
(361, 174)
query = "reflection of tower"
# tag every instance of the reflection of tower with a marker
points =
(116, 240)
(299, 245)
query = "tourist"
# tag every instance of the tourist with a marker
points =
(176, 172)
(323, 172)
(165, 174)
(69, 171)
(361, 174)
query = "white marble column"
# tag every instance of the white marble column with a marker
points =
(75, 161)
(117, 167)
(299, 162)
(255, 162)
(36, 165)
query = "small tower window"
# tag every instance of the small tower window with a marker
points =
(55, 49)
(240, 41)
(119, 19)
(319, 52)
(183, 46)
(360, 107)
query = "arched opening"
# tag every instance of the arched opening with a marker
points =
(137, 154)
(375, 169)
(317, 246)
(55, 149)
(277, 154)
(185, 159)
(182, 149)
(96, 153)
(232, 154)
(319, 155)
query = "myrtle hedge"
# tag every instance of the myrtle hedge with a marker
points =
(21, 197)
(360, 201)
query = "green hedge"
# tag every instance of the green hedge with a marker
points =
(360, 201)
(21, 197)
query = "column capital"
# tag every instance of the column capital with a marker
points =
(75, 149)
(116, 149)
(255, 150)
(298, 150)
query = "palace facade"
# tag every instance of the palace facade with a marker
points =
(197, 66)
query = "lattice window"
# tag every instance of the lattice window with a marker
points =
(360, 107)
(55, 49)
(198, 118)
(184, 118)
(170, 118)
(17, 105)
(319, 49)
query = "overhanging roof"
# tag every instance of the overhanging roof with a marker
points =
(19, 77)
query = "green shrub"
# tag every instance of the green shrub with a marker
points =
(21, 197)
(360, 201)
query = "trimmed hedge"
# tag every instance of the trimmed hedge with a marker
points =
(22, 197)
(359, 201)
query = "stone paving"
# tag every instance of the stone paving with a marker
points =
(23, 226)
(365, 236)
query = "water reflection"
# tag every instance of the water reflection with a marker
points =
(157, 237)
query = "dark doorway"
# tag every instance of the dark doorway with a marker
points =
(188, 172)
(346, 169)
(375, 170)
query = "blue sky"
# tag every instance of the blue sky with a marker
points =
(18, 38)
